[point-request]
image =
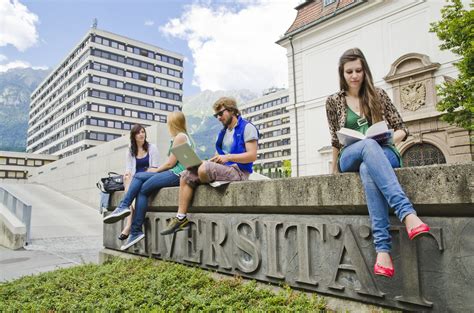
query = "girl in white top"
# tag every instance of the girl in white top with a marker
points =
(146, 184)
(139, 158)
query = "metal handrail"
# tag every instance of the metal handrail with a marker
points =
(18, 208)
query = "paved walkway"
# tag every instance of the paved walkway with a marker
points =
(64, 233)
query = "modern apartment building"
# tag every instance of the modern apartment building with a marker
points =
(270, 116)
(104, 86)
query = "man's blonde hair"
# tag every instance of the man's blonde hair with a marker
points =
(227, 103)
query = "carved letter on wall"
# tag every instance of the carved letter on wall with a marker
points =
(412, 292)
(273, 246)
(357, 265)
(413, 95)
(162, 246)
(304, 261)
(215, 239)
(247, 245)
(193, 254)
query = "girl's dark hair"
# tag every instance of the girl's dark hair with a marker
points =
(133, 132)
(370, 103)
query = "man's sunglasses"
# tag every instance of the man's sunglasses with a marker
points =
(219, 114)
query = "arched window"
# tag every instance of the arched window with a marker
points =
(423, 154)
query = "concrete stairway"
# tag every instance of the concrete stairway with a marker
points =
(56, 215)
(64, 232)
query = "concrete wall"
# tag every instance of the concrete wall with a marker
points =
(12, 230)
(13, 181)
(76, 176)
(313, 233)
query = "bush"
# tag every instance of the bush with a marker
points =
(148, 286)
(456, 31)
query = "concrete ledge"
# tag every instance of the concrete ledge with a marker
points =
(314, 234)
(12, 230)
(446, 190)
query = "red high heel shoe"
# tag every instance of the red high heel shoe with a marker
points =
(416, 231)
(384, 271)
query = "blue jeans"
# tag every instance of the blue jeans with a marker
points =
(375, 165)
(142, 186)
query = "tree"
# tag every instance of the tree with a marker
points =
(287, 168)
(456, 30)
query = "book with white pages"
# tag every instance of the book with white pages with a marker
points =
(378, 132)
(219, 183)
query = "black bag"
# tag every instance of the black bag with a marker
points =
(114, 182)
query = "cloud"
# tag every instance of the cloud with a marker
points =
(18, 64)
(13, 64)
(233, 44)
(17, 25)
(149, 23)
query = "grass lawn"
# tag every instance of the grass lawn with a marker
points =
(147, 286)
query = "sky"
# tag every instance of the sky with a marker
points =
(226, 44)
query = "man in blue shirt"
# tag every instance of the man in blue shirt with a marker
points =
(236, 148)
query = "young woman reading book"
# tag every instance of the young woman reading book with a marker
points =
(357, 106)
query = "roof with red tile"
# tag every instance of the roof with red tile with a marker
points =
(311, 11)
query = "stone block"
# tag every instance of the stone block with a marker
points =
(327, 254)
(438, 190)
(313, 233)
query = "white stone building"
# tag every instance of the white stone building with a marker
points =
(404, 58)
(104, 86)
(270, 116)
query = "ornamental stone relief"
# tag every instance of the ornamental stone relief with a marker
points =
(413, 95)
(413, 85)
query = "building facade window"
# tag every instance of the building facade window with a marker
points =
(136, 50)
(136, 63)
(55, 77)
(134, 75)
(423, 154)
(328, 2)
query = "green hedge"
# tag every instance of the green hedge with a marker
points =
(148, 286)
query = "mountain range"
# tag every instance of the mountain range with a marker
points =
(203, 127)
(16, 86)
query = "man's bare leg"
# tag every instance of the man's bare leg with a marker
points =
(202, 173)
(186, 193)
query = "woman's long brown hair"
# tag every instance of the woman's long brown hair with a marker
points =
(370, 103)
(133, 132)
